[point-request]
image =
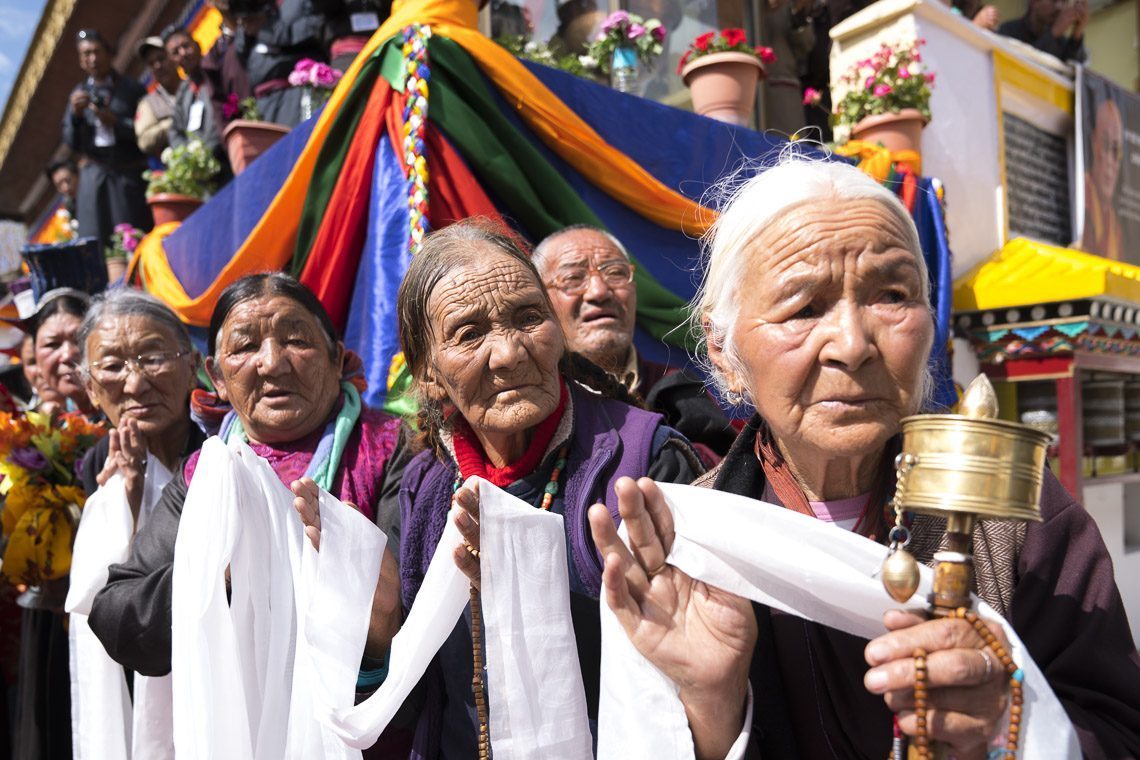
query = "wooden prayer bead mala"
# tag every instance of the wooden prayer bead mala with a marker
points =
(478, 687)
(1016, 692)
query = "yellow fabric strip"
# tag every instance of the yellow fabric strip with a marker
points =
(876, 161)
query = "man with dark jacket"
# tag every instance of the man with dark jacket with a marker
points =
(1056, 27)
(100, 125)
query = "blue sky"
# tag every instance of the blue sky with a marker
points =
(18, 19)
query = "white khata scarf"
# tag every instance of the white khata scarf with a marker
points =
(245, 681)
(104, 725)
(771, 555)
(272, 673)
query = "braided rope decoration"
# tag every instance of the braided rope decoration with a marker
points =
(418, 75)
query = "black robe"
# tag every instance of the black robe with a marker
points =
(807, 679)
(111, 187)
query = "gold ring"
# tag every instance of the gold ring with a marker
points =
(475, 553)
(657, 570)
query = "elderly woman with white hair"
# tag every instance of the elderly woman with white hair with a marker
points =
(816, 313)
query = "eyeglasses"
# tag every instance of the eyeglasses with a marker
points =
(574, 282)
(114, 369)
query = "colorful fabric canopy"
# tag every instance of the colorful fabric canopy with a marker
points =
(435, 123)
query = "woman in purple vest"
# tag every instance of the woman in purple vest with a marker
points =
(501, 397)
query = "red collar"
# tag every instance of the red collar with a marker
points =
(472, 460)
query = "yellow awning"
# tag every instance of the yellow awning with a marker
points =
(1026, 272)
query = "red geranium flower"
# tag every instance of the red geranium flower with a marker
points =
(733, 37)
(765, 54)
(701, 43)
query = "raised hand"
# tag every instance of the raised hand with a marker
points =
(698, 635)
(465, 513)
(308, 507)
(966, 698)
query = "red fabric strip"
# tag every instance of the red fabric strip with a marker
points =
(330, 271)
(454, 192)
(472, 460)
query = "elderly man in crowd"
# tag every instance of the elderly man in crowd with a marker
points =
(590, 279)
(156, 109)
(1052, 26)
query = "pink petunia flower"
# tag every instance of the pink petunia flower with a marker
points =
(615, 20)
(869, 83)
(904, 73)
(636, 31)
(812, 96)
(881, 90)
(659, 33)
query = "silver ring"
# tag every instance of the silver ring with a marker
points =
(989, 663)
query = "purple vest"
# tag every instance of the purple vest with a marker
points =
(610, 440)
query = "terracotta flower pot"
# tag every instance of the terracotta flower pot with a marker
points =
(894, 131)
(723, 85)
(116, 268)
(246, 140)
(171, 207)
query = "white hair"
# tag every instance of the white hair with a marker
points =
(750, 207)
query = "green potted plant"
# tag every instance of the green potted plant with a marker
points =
(721, 71)
(125, 240)
(887, 98)
(246, 136)
(188, 177)
(625, 42)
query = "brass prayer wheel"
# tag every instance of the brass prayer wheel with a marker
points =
(971, 464)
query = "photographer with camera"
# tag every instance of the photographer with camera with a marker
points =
(100, 125)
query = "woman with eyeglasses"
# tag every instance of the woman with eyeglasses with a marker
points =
(138, 368)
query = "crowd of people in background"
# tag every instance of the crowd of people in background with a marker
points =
(116, 128)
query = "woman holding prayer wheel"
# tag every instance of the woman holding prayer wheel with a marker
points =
(830, 348)
(501, 397)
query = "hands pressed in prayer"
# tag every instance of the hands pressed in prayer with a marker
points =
(967, 698)
(386, 612)
(698, 635)
(127, 455)
(465, 512)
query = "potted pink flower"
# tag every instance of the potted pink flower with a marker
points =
(125, 239)
(887, 99)
(722, 70)
(626, 42)
(246, 136)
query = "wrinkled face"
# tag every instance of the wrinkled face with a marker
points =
(495, 345)
(65, 181)
(93, 58)
(57, 353)
(162, 67)
(1108, 148)
(598, 322)
(156, 395)
(834, 331)
(273, 365)
(184, 52)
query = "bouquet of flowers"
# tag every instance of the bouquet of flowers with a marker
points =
(540, 52)
(892, 79)
(731, 40)
(623, 31)
(39, 456)
(64, 227)
(190, 170)
(318, 80)
(125, 238)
